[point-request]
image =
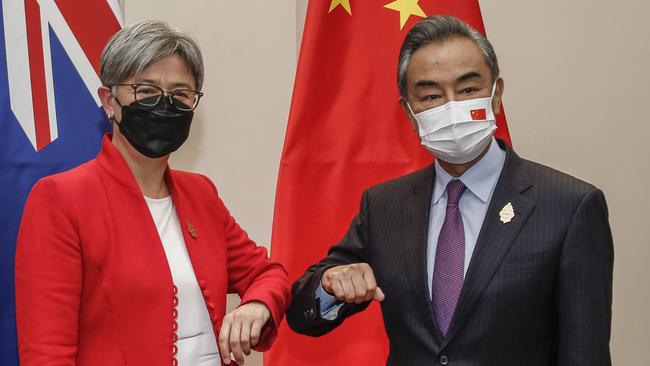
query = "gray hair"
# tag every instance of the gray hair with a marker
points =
(437, 29)
(140, 45)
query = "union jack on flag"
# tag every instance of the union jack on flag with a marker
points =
(50, 115)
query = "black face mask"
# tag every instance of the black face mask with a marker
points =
(155, 131)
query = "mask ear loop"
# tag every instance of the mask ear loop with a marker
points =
(408, 105)
(114, 92)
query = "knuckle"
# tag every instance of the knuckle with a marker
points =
(234, 342)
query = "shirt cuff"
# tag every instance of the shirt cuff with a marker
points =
(329, 306)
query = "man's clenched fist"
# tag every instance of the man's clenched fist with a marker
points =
(352, 283)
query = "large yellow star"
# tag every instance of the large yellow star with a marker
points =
(406, 8)
(344, 3)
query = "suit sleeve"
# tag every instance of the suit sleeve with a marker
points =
(584, 295)
(48, 280)
(254, 277)
(304, 314)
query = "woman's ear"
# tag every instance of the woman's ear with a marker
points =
(106, 97)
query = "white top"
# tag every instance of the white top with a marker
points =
(197, 345)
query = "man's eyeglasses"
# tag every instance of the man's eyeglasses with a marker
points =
(148, 95)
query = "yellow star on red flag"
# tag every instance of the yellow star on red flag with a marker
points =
(406, 8)
(345, 4)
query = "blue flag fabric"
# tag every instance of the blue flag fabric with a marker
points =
(80, 124)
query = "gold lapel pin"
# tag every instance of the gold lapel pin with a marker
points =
(507, 213)
(191, 229)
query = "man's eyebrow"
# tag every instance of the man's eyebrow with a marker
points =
(426, 83)
(468, 75)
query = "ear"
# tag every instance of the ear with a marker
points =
(405, 107)
(498, 94)
(106, 97)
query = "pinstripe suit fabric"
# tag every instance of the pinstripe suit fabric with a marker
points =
(538, 290)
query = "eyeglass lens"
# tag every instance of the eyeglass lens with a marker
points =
(149, 96)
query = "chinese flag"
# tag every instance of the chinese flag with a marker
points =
(346, 132)
(478, 114)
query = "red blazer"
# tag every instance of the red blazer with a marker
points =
(93, 286)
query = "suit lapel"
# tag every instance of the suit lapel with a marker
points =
(417, 208)
(495, 238)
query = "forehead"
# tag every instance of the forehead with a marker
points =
(445, 61)
(172, 68)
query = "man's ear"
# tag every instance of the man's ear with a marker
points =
(106, 97)
(498, 94)
(405, 107)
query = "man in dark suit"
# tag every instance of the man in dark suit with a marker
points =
(483, 258)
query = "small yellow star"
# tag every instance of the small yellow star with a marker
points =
(406, 8)
(344, 3)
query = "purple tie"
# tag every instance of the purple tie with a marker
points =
(448, 271)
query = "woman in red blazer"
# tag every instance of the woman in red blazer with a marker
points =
(125, 261)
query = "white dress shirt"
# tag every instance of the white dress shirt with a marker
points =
(480, 180)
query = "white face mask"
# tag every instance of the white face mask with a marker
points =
(458, 131)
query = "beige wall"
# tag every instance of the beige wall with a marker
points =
(577, 91)
(576, 96)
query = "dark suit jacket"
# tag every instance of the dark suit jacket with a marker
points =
(538, 290)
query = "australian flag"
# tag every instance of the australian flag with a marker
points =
(50, 115)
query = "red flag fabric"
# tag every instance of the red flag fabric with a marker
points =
(346, 132)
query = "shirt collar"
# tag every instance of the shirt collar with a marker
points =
(480, 179)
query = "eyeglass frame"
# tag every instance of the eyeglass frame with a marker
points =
(165, 93)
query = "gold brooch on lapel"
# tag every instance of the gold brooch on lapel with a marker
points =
(507, 213)
(191, 229)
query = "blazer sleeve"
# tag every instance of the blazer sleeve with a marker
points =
(584, 294)
(48, 279)
(254, 277)
(304, 314)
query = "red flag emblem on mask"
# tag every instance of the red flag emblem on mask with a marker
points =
(478, 114)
